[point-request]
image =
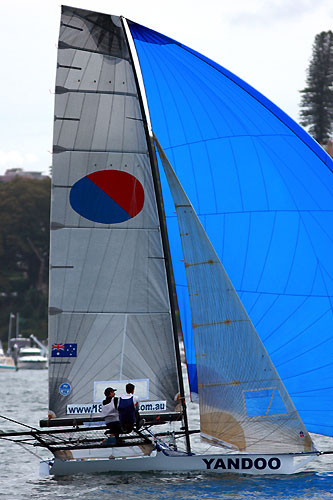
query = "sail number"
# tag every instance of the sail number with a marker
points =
(259, 463)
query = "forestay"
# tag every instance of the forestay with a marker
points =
(263, 190)
(241, 397)
(109, 304)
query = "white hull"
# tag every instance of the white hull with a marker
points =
(219, 464)
(31, 358)
(32, 365)
(5, 368)
(6, 362)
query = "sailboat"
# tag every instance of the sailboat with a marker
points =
(6, 362)
(185, 207)
(25, 353)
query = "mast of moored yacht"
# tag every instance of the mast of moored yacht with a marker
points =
(164, 235)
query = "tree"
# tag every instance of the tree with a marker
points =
(24, 251)
(317, 97)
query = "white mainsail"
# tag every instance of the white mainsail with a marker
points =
(242, 400)
(109, 309)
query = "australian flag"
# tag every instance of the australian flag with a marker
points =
(64, 350)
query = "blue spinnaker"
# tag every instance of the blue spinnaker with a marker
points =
(263, 190)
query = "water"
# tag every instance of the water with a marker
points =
(24, 397)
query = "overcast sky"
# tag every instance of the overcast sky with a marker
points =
(268, 43)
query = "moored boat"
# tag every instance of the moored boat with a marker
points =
(6, 362)
(31, 358)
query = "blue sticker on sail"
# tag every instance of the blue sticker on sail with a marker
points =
(65, 389)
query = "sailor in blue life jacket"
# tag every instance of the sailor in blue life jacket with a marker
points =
(110, 413)
(128, 408)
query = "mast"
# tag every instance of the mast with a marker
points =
(11, 316)
(17, 325)
(164, 235)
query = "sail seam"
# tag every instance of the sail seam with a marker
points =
(218, 138)
(278, 294)
(123, 348)
(282, 294)
(277, 210)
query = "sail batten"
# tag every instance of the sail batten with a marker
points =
(64, 90)
(116, 151)
(67, 46)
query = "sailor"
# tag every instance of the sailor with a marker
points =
(128, 408)
(110, 412)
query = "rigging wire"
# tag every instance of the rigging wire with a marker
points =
(27, 449)
(19, 423)
(32, 429)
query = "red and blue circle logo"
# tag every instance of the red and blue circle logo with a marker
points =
(107, 196)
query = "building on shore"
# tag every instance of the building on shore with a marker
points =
(12, 173)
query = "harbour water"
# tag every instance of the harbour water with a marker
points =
(23, 396)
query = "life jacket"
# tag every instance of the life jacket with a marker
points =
(126, 409)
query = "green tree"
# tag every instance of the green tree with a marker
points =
(317, 97)
(24, 251)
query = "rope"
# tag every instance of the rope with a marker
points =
(27, 449)
(24, 446)
(32, 429)
(19, 423)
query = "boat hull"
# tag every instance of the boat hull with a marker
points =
(5, 368)
(32, 365)
(6, 362)
(217, 464)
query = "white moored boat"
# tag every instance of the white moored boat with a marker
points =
(165, 165)
(31, 358)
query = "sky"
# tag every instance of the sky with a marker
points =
(267, 43)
